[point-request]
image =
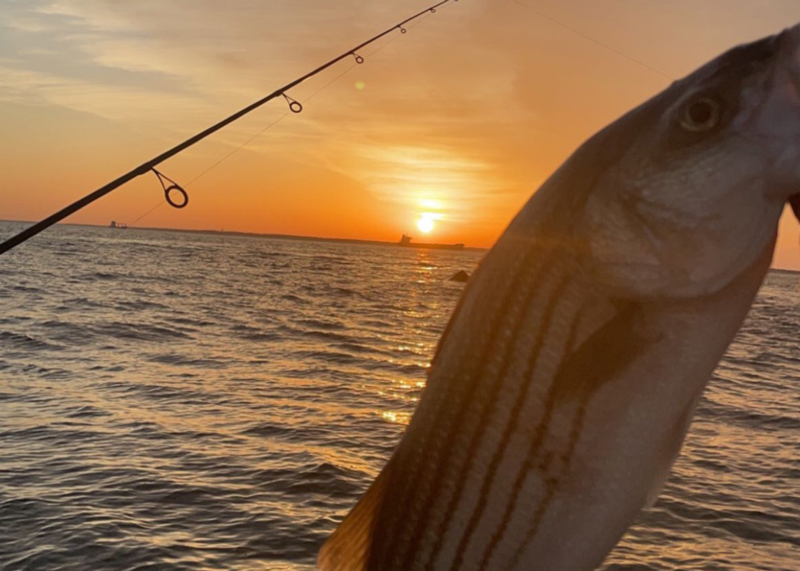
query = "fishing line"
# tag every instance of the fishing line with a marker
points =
(173, 189)
(216, 164)
(594, 40)
(278, 120)
(160, 204)
(237, 149)
(282, 117)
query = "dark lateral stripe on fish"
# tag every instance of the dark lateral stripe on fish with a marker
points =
(394, 520)
(579, 377)
(553, 482)
(410, 501)
(524, 283)
(533, 451)
(527, 382)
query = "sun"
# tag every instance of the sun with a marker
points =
(425, 224)
(427, 221)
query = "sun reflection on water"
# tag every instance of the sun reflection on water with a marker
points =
(396, 417)
(152, 406)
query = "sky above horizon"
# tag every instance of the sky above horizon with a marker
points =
(459, 120)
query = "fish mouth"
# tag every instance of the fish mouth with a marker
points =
(794, 202)
(789, 42)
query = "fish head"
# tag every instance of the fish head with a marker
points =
(700, 176)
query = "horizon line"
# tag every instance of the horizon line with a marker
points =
(299, 237)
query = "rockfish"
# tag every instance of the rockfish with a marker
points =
(566, 379)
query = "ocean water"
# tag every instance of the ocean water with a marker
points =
(200, 402)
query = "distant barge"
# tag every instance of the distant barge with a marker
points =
(405, 242)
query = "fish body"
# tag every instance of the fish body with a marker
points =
(565, 382)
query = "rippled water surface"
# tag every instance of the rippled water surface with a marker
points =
(195, 402)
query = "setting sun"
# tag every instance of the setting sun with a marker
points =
(425, 225)
(427, 220)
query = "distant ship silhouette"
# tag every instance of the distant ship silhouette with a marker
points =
(405, 242)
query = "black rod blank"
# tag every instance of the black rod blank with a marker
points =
(150, 165)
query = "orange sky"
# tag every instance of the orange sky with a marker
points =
(464, 116)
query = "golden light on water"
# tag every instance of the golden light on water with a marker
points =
(397, 417)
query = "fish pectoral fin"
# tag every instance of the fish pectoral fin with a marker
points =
(347, 549)
(604, 354)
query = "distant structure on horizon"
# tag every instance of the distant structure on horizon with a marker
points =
(120, 226)
(405, 242)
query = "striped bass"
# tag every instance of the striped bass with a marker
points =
(565, 382)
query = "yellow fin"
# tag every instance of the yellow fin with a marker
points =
(347, 549)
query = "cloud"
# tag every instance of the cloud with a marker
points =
(478, 102)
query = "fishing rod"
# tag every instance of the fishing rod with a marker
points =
(172, 188)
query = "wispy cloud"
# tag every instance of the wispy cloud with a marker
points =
(474, 107)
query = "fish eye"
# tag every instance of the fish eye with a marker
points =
(701, 115)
